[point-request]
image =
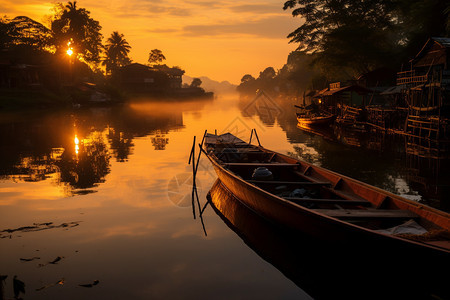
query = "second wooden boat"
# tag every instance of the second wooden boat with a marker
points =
(315, 119)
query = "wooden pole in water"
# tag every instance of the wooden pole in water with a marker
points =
(257, 138)
(199, 154)
(194, 188)
(192, 150)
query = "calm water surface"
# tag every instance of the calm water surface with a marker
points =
(104, 194)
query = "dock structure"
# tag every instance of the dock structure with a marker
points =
(425, 89)
(414, 103)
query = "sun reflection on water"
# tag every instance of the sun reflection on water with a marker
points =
(77, 144)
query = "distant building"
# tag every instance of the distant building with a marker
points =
(426, 85)
(336, 96)
(175, 75)
(157, 80)
(19, 75)
(140, 78)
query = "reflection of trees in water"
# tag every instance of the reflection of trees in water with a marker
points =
(41, 146)
(159, 141)
(89, 166)
(33, 169)
(121, 144)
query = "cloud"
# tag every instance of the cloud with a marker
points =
(141, 9)
(164, 30)
(257, 8)
(207, 4)
(277, 27)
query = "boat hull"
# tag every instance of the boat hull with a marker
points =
(306, 221)
(308, 261)
(316, 121)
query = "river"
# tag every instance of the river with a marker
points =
(96, 203)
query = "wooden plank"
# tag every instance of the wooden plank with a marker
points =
(238, 151)
(368, 213)
(345, 195)
(260, 165)
(290, 182)
(329, 201)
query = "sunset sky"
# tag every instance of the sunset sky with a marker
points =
(221, 39)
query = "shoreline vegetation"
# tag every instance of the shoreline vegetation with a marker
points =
(64, 63)
(342, 42)
(68, 61)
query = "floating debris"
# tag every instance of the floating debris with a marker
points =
(37, 227)
(89, 285)
(2, 278)
(43, 224)
(59, 282)
(29, 259)
(18, 286)
(56, 260)
(53, 262)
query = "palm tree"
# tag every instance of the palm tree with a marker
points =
(74, 24)
(156, 56)
(117, 49)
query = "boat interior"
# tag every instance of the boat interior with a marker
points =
(330, 194)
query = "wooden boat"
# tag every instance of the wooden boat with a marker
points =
(312, 264)
(315, 119)
(325, 204)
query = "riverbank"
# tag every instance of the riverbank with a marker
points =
(16, 99)
(71, 96)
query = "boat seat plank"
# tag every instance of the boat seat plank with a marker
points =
(368, 213)
(328, 201)
(345, 195)
(239, 151)
(257, 164)
(290, 182)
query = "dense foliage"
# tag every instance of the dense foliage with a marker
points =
(364, 35)
(75, 26)
(25, 32)
(342, 39)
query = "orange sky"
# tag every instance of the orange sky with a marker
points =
(221, 39)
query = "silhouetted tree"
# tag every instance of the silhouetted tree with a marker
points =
(74, 25)
(247, 78)
(343, 33)
(5, 37)
(25, 32)
(268, 73)
(156, 56)
(248, 85)
(420, 20)
(117, 49)
(196, 82)
(299, 74)
(359, 36)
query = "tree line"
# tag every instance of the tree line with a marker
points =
(70, 31)
(341, 39)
